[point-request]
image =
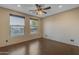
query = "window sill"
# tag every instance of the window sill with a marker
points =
(33, 32)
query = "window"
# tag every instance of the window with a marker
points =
(16, 25)
(33, 25)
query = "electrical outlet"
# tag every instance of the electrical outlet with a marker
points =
(6, 40)
(71, 40)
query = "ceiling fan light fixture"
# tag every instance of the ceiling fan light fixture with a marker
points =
(40, 12)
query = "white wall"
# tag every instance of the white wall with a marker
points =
(63, 27)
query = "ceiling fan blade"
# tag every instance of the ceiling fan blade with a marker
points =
(37, 5)
(31, 10)
(47, 8)
(44, 12)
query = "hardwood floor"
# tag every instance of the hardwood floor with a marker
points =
(40, 47)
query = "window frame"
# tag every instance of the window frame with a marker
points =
(36, 27)
(10, 26)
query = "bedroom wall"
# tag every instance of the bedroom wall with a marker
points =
(5, 28)
(63, 27)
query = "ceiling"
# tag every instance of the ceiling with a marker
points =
(55, 8)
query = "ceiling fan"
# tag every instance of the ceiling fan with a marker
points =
(40, 10)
